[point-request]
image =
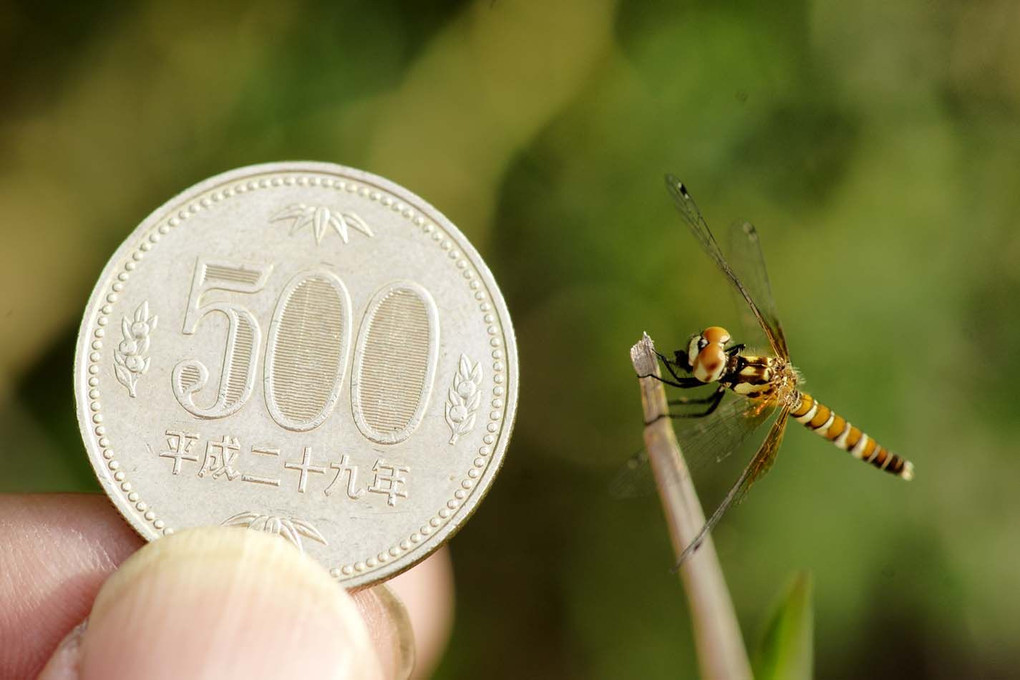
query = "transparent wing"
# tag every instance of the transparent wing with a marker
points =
(704, 441)
(766, 456)
(688, 209)
(715, 437)
(759, 465)
(634, 478)
(748, 264)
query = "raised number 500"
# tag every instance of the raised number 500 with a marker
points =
(308, 350)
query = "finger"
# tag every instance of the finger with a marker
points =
(390, 629)
(59, 548)
(57, 551)
(383, 612)
(427, 593)
(220, 603)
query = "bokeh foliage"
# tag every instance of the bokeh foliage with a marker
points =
(786, 650)
(876, 145)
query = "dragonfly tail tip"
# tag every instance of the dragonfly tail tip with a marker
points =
(908, 471)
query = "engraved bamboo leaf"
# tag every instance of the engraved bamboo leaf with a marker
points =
(463, 398)
(287, 527)
(288, 533)
(320, 219)
(289, 213)
(356, 222)
(307, 530)
(130, 357)
(241, 519)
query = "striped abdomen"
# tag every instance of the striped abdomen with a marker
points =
(824, 422)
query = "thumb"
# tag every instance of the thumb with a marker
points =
(219, 603)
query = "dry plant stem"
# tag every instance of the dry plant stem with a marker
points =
(720, 647)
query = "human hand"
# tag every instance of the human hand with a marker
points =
(218, 603)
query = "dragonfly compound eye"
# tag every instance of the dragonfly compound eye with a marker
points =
(710, 363)
(716, 334)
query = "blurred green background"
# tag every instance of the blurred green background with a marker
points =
(876, 145)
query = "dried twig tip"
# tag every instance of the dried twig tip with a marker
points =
(721, 652)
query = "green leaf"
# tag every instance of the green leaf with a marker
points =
(786, 651)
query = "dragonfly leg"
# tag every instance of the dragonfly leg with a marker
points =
(680, 358)
(683, 401)
(679, 361)
(736, 348)
(683, 383)
(680, 380)
(713, 402)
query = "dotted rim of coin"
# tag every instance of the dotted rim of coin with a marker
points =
(418, 220)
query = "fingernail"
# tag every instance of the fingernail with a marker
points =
(224, 603)
(387, 618)
(63, 663)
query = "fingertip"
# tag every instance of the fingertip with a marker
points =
(427, 592)
(390, 628)
(224, 603)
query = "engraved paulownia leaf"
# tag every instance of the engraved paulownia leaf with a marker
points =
(288, 527)
(463, 398)
(320, 219)
(130, 357)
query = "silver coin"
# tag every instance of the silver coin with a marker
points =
(304, 349)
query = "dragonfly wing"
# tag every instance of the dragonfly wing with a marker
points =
(759, 465)
(715, 437)
(748, 262)
(634, 478)
(688, 209)
(766, 456)
(704, 442)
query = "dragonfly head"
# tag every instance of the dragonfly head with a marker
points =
(706, 353)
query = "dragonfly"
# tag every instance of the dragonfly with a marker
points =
(749, 387)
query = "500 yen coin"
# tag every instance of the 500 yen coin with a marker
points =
(304, 349)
